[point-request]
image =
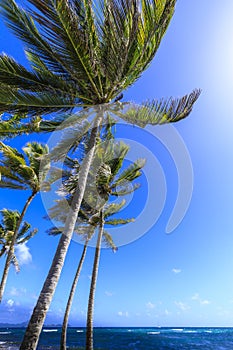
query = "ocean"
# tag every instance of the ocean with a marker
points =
(163, 338)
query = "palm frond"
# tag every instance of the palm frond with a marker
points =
(15, 75)
(132, 32)
(125, 188)
(16, 125)
(130, 173)
(37, 154)
(8, 227)
(159, 112)
(32, 103)
(113, 208)
(79, 41)
(23, 229)
(9, 179)
(53, 175)
(55, 230)
(114, 154)
(115, 222)
(108, 241)
(28, 236)
(11, 157)
(23, 26)
(24, 171)
(3, 249)
(11, 185)
(62, 26)
(70, 140)
(9, 219)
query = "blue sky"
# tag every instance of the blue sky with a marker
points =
(179, 279)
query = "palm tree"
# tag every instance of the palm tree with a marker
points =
(110, 181)
(107, 181)
(10, 219)
(21, 171)
(82, 54)
(59, 212)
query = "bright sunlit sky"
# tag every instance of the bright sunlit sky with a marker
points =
(179, 279)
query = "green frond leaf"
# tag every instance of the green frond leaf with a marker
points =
(113, 208)
(24, 171)
(108, 241)
(125, 188)
(159, 112)
(70, 140)
(27, 237)
(15, 75)
(132, 172)
(115, 222)
(32, 103)
(11, 157)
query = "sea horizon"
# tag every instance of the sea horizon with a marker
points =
(120, 338)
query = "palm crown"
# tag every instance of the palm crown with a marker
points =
(7, 229)
(26, 170)
(72, 48)
(22, 171)
(108, 180)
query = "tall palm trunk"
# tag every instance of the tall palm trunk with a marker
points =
(90, 311)
(70, 299)
(10, 253)
(36, 322)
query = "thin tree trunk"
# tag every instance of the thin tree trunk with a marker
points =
(11, 248)
(70, 299)
(90, 311)
(36, 322)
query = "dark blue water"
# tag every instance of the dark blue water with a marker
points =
(128, 338)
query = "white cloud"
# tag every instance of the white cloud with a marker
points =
(150, 305)
(182, 306)
(176, 270)
(205, 302)
(23, 254)
(14, 292)
(109, 294)
(167, 312)
(197, 298)
(123, 314)
(10, 302)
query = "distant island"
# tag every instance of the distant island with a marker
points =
(24, 324)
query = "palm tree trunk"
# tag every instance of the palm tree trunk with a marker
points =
(36, 322)
(70, 299)
(10, 253)
(90, 311)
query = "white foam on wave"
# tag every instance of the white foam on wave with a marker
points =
(190, 331)
(49, 330)
(5, 332)
(153, 332)
(2, 342)
(79, 331)
(177, 329)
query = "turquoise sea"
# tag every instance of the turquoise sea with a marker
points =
(128, 338)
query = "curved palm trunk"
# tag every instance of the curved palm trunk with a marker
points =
(90, 311)
(70, 299)
(36, 322)
(10, 253)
